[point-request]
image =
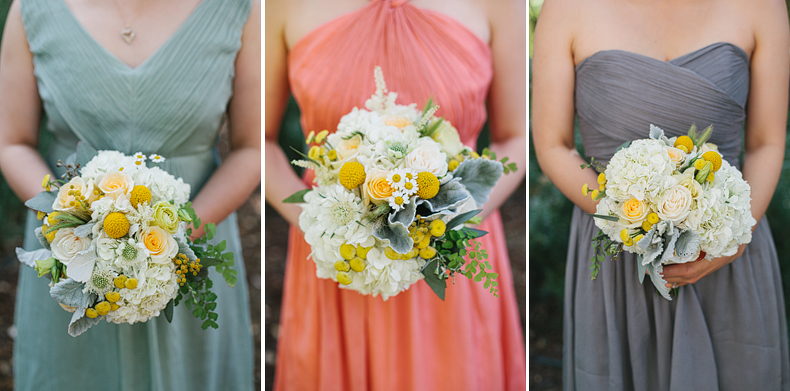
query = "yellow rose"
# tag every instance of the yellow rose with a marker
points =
(377, 189)
(397, 121)
(161, 244)
(115, 184)
(348, 148)
(633, 210)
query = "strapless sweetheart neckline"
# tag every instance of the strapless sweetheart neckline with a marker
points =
(737, 48)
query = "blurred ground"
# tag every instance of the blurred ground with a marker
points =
(513, 219)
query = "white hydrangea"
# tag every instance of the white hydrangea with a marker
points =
(163, 186)
(107, 161)
(642, 171)
(155, 288)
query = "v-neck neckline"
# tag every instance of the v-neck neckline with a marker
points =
(153, 56)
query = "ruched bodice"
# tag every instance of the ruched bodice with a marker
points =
(619, 94)
(623, 335)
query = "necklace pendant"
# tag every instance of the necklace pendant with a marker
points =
(128, 35)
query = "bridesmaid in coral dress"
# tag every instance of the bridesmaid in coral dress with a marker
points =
(338, 339)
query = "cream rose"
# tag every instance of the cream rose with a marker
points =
(162, 246)
(115, 184)
(447, 136)
(694, 187)
(397, 121)
(66, 245)
(377, 189)
(63, 198)
(633, 210)
(676, 204)
(427, 157)
(676, 156)
(347, 148)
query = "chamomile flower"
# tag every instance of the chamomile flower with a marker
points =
(139, 158)
(396, 179)
(398, 200)
(156, 158)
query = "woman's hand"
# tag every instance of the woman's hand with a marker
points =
(681, 274)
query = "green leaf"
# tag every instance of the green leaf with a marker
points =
(213, 315)
(42, 201)
(603, 217)
(473, 233)
(437, 284)
(221, 246)
(209, 323)
(298, 197)
(169, 311)
(478, 177)
(85, 153)
(461, 218)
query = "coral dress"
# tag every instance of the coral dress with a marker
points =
(338, 339)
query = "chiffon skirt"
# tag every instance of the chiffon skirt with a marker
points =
(725, 332)
(338, 339)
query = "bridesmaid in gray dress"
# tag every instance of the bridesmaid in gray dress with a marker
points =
(166, 88)
(620, 68)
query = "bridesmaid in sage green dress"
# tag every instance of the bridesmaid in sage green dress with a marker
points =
(167, 92)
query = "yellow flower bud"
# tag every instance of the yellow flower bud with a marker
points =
(594, 194)
(112, 297)
(585, 189)
(45, 182)
(646, 225)
(347, 251)
(362, 252)
(341, 266)
(319, 138)
(390, 253)
(91, 313)
(103, 308)
(114, 306)
(310, 137)
(624, 235)
(428, 253)
(601, 178)
(40, 215)
(452, 164)
(638, 237)
(652, 217)
(120, 281)
(357, 264)
(344, 278)
(426, 241)
(131, 283)
(438, 227)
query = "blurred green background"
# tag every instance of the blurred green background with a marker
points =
(549, 225)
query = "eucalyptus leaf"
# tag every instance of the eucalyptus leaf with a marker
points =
(451, 196)
(84, 230)
(85, 153)
(81, 265)
(395, 228)
(29, 258)
(69, 292)
(655, 270)
(655, 132)
(42, 201)
(604, 217)
(623, 145)
(298, 197)
(437, 284)
(81, 323)
(479, 176)
(687, 244)
(641, 269)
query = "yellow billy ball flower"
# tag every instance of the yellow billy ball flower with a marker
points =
(315, 152)
(452, 164)
(116, 225)
(624, 235)
(131, 283)
(140, 194)
(120, 281)
(91, 313)
(341, 266)
(344, 278)
(438, 227)
(652, 217)
(347, 251)
(714, 158)
(428, 253)
(585, 189)
(319, 138)
(357, 264)
(351, 175)
(425, 242)
(390, 253)
(646, 225)
(601, 178)
(686, 142)
(103, 308)
(112, 297)
(427, 185)
(362, 252)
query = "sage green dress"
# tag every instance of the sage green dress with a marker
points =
(173, 104)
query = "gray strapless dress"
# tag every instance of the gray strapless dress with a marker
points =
(726, 332)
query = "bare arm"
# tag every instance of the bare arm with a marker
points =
(507, 98)
(240, 173)
(20, 112)
(281, 180)
(553, 79)
(765, 126)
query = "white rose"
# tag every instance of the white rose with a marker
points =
(427, 157)
(447, 136)
(676, 204)
(116, 184)
(346, 149)
(63, 198)
(66, 245)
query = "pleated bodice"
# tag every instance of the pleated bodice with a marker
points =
(619, 94)
(423, 54)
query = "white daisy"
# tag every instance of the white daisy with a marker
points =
(398, 201)
(156, 158)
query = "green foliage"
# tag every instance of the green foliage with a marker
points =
(452, 250)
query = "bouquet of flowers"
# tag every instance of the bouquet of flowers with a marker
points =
(670, 201)
(116, 242)
(394, 187)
